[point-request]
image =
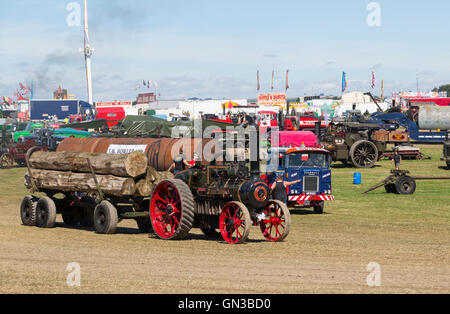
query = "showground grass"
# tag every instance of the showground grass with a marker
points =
(408, 236)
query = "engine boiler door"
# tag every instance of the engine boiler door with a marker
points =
(261, 192)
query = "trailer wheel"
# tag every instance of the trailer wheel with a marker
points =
(211, 233)
(172, 210)
(28, 211)
(277, 225)
(405, 185)
(235, 223)
(144, 224)
(87, 214)
(319, 207)
(70, 217)
(105, 218)
(390, 188)
(364, 154)
(45, 213)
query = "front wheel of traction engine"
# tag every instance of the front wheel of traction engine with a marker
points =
(105, 218)
(172, 210)
(45, 213)
(277, 223)
(235, 223)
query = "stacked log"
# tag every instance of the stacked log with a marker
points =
(65, 181)
(144, 188)
(117, 175)
(128, 165)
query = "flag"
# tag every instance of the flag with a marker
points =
(149, 84)
(287, 79)
(344, 82)
(373, 79)
(156, 85)
(145, 84)
(258, 85)
(7, 100)
(273, 78)
(382, 89)
(139, 86)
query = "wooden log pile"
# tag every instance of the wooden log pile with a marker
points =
(118, 175)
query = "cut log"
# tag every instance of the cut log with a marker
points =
(144, 188)
(128, 165)
(81, 182)
(154, 176)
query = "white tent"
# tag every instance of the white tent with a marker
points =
(355, 98)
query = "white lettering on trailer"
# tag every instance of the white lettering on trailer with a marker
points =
(115, 149)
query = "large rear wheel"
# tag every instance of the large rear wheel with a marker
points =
(172, 210)
(235, 223)
(277, 224)
(364, 154)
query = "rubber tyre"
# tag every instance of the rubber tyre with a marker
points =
(87, 217)
(448, 165)
(87, 214)
(28, 211)
(70, 217)
(105, 218)
(405, 185)
(354, 150)
(319, 208)
(390, 188)
(186, 218)
(211, 233)
(144, 224)
(45, 213)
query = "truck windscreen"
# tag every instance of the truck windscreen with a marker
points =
(309, 160)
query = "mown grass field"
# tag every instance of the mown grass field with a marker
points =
(408, 236)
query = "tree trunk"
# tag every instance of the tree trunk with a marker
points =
(81, 182)
(128, 165)
(144, 188)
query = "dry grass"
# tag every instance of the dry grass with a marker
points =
(409, 236)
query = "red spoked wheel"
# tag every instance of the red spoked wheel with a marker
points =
(172, 210)
(235, 223)
(277, 223)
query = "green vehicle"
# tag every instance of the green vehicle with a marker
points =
(28, 131)
(32, 127)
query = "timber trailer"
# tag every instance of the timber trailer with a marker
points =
(226, 197)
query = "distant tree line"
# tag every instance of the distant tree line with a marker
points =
(443, 88)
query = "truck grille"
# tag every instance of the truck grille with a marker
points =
(311, 184)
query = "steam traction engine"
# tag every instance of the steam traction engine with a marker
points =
(225, 197)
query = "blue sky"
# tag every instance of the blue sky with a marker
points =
(214, 48)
